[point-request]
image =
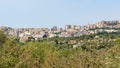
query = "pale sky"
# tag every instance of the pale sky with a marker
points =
(48, 13)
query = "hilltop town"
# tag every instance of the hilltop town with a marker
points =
(69, 31)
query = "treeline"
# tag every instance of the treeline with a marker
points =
(48, 54)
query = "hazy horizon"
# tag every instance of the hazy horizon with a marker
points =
(49, 13)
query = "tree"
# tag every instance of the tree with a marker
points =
(2, 38)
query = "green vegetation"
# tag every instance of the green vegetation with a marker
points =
(2, 38)
(100, 52)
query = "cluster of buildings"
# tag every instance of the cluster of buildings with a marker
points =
(69, 31)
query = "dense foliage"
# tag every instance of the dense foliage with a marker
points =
(93, 53)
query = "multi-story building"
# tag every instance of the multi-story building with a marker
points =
(67, 27)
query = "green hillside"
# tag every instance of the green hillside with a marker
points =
(94, 51)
